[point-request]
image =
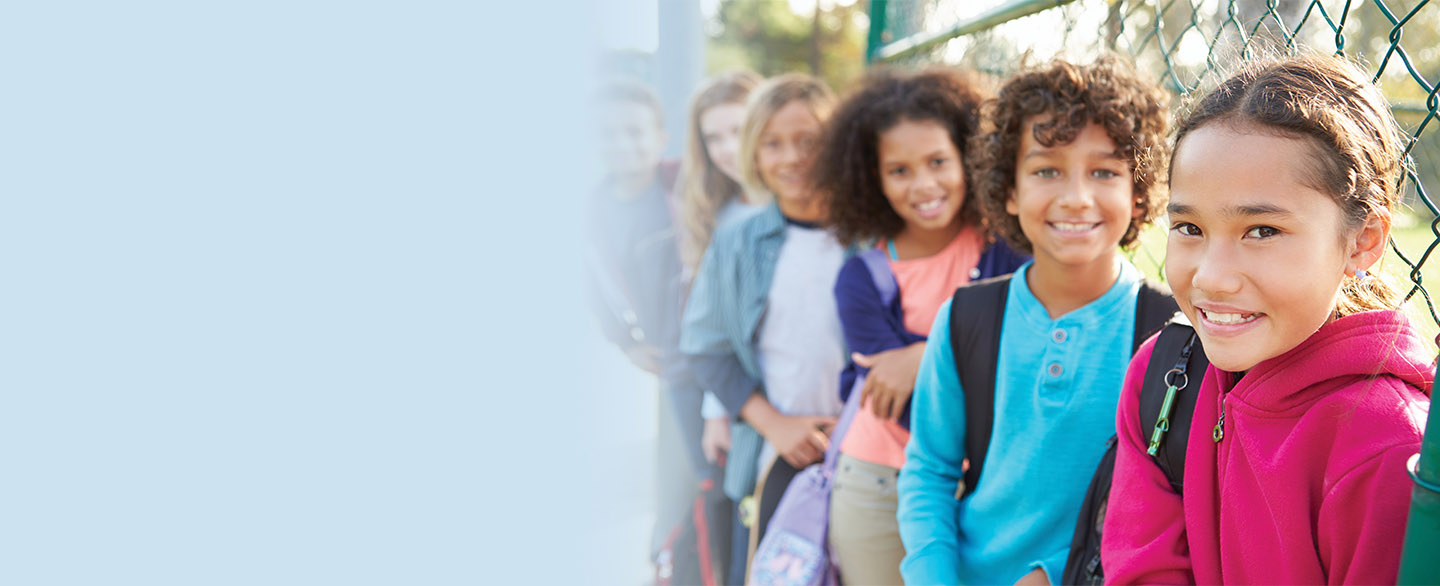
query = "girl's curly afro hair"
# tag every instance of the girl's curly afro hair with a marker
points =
(847, 167)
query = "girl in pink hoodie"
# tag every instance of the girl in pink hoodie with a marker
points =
(1282, 185)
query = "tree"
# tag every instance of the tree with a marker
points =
(769, 38)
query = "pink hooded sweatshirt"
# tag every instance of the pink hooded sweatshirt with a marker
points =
(1308, 484)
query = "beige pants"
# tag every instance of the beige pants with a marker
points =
(864, 535)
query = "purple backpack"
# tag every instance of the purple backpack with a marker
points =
(795, 551)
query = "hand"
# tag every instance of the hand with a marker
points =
(891, 380)
(800, 440)
(645, 357)
(715, 439)
(1036, 577)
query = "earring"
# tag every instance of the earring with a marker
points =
(1361, 276)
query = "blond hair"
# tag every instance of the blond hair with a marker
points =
(705, 189)
(764, 102)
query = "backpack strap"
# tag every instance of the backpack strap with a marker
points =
(879, 267)
(1167, 396)
(1154, 307)
(977, 314)
(975, 342)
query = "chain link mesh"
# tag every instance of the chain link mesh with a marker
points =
(1187, 43)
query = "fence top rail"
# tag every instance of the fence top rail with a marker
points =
(994, 17)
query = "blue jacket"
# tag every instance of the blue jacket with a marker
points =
(727, 300)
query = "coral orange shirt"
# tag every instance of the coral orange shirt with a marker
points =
(925, 283)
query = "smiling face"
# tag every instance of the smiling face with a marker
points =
(720, 131)
(921, 174)
(1256, 256)
(785, 151)
(1073, 201)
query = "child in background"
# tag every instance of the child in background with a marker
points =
(760, 328)
(893, 165)
(1282, 188)
(635, 273)
(635, 276)
(1065, 169)
(711, 195)
(710, 183)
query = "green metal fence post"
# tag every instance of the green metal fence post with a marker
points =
(876, 37)
(1419, 563)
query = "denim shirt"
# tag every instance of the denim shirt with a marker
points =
(728, 299)
(727, 302)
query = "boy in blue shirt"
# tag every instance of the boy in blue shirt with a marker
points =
(1066, 169)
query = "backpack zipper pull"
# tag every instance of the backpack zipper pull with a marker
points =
(1219, 432)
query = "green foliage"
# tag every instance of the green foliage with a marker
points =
(767, 37)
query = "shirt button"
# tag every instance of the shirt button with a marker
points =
(1058, 335)
(1055, 369)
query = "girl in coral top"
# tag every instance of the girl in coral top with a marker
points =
(892, 162)
(1282, 187)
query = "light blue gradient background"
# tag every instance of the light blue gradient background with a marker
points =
(288, 294)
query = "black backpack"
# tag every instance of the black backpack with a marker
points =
(977, 314)
(1177, 358)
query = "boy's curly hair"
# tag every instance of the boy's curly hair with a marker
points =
(847, 167)
(1134, 113)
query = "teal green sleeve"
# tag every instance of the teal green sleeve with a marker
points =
(928, 511)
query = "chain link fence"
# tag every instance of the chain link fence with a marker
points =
(1187, 44)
